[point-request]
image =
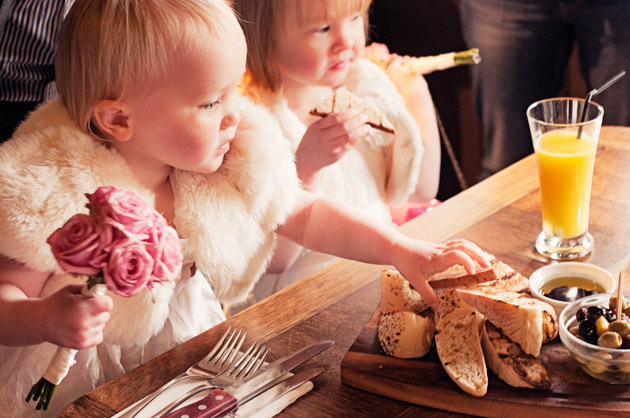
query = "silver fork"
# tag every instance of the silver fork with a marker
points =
(247, 364)
(213, 364)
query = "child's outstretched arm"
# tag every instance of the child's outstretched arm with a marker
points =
(65, 318)
(332, 227)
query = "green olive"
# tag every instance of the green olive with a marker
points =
(613, 303)
(576, 332)
(601, 325)
(610, 340)
(620, 327)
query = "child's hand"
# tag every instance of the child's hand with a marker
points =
(417, 261)
(76, 321)
(328, 139)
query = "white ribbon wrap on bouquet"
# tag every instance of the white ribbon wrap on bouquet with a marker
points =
(426, 65)
(64, 357)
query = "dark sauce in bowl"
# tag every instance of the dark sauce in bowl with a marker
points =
(568, 289)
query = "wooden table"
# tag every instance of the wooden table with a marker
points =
(501, 214)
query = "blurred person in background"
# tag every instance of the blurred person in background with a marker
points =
(525, 45)
(28, 34)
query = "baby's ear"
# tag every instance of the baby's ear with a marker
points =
(111, 118)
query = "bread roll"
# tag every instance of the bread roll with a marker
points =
(405, 334)
(398, 295)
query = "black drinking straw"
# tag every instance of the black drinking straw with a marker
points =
(595, 92)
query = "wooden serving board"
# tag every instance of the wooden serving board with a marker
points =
(424, 382)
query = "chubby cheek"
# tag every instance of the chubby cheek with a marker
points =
(304, 63)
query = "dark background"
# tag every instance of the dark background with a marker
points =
(432, 27)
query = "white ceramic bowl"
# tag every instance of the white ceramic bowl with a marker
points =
(565, 269)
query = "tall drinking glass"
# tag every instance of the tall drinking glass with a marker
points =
(565, 151)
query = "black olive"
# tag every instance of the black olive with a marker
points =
(580, 315)
(594, 312)
(610, 315)
(588, 330)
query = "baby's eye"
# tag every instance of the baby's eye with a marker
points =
(356, 17)
(322, 29)
(211, 106)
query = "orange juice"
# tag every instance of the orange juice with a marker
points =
(565, 167)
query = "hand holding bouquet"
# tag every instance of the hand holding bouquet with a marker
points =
(123, 245)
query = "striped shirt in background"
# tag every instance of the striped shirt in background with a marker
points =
(28, 31)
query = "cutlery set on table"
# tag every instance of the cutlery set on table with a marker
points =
(231, 383)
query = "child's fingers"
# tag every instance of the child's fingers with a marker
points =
(102, 304)
(427, 292)
(471, 249)
(351, 130)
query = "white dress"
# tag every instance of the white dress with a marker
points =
(227, 218)
(193, 309)
(380, 171)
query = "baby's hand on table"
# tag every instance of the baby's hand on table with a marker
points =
(76, 321)
(329, 138)
(419, 260)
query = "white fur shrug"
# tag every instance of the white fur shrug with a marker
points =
(227, 218)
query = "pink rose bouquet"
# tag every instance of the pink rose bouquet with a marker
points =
(124, 246)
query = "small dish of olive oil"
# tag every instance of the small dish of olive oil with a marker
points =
(570, 288)
(559, 284)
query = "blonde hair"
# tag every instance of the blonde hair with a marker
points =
(111, 49)
(261, 21)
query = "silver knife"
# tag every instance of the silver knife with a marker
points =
(220, 401)
(277, 391)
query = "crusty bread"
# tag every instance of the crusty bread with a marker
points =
(511, 282)
(398, 295)
(405, 334)
(550, 323)
(457, 276)
(342, 99)
(506, 359)
(519, 316)
(458, 344)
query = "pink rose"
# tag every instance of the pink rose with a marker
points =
(165, 248)
(77, 245)
(122, 206)
(128, 269)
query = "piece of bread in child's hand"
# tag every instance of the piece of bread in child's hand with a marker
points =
(342, 100)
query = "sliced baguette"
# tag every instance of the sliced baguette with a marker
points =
(519, 316)
(458, 344)
(342, 99)
(512, 282)
(457, 276)
(398, 295)
(506, 359)
(405, 334)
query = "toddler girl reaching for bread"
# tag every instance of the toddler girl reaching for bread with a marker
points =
(300, 51)
(148, 100)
